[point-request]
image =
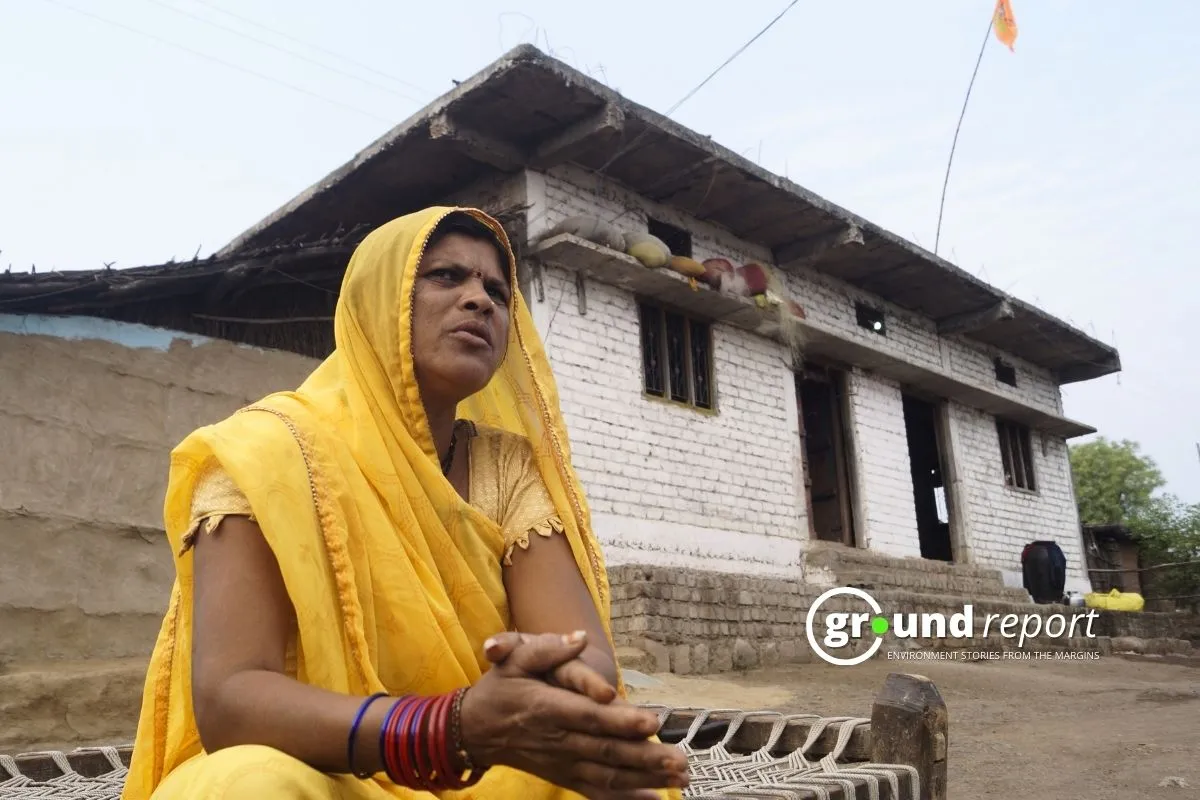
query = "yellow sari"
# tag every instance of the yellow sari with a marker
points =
(395, 580)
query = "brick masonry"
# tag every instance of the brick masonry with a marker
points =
(690, 621)
(706, 622)
(672, 486)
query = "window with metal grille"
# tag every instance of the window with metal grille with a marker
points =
(1016, 454)
(676, 357)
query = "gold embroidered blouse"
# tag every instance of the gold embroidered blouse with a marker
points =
(505, 487)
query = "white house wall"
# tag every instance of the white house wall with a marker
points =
(670, 485)
(1003, 520)
(600, 355)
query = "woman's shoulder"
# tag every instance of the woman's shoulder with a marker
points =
(504, 444)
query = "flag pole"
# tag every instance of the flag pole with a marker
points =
(946, 182)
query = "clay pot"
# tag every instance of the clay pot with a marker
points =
(714, 268)
(758, 278)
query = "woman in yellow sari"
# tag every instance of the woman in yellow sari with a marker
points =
(355, 557)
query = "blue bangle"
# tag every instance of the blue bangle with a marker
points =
(358, 718)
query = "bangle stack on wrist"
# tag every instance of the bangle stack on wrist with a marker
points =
(420, 742)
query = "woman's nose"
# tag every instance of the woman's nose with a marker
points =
(476, 298)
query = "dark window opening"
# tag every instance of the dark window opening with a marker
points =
(1016, 454)
(1005, 372)
(652, 351)
(677, 240)
(929, 488)
(870, 318)
(824, 450)
(677, 360)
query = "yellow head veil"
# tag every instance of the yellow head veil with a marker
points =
(393, 577)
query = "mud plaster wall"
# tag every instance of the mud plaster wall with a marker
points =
(89, 411)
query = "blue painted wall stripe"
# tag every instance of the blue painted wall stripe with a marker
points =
(129, 334)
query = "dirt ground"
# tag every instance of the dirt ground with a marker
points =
(1109, 729)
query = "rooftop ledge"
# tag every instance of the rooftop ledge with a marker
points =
(617, 269)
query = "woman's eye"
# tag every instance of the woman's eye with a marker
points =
(498, 295)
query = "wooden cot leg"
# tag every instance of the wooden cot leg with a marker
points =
(909, 726)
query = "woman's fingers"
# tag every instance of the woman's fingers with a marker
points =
(624, 782)
(573, 675)
(542, 653)
(499, 647)
(573, 712)
(578, 677)
(638, 756)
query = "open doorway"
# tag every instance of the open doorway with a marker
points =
(933, 501)
(821, 396)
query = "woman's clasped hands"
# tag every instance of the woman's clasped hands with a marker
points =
(542, 710)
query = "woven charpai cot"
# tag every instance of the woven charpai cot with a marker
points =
(54, 776)
(725, 770)
(716, 771)
(897, 754)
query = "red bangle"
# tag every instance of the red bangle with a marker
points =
(421, 747)
(442, 761)
(407, 745)
(394, 740)
(421, 756)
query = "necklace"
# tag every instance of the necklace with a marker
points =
(448, 461)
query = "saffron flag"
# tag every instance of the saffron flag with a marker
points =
(1005, 24)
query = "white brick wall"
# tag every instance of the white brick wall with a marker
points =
(644, 461)
(569, 191)
(1003, 520)
(915, 339)
(719, 489)
(888, 518)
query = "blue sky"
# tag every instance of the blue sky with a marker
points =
(1074, 186)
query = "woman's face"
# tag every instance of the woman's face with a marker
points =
(460, 317)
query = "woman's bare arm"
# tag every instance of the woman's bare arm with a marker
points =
(242, 694)
(546, 594)
(240, 691)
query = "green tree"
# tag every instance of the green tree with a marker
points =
(1168, 532)
(1115, 485)
(1113, 481)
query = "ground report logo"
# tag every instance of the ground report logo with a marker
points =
(831, 632)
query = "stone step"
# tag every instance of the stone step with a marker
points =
(965, 586)
(67, 704)
(835, 556)
(899, 599)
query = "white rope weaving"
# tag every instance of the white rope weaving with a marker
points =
(717, 772)
(70, 785)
